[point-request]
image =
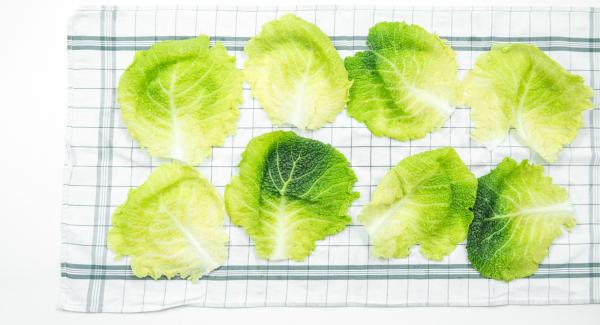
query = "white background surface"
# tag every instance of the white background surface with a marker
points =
(33, 107)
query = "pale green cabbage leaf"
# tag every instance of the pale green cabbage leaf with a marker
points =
(518, 214)
(180, 98)
(296, 74)
(291, 191)
(425, 199)
(171, 225)
(518, 86)
(406, 84)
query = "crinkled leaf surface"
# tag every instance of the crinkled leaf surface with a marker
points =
(180, 98)
(518, 214)
(425, 200)
(291, 192)
(406, 84)
(518, 86)
(296, 73)
(172, 225)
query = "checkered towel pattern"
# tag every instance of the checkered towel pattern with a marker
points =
(103, 163)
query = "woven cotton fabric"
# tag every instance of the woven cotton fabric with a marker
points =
(103, 163)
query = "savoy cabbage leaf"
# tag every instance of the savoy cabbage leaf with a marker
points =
(518, 214)
(425, 199)
(291, 191)
(296, 73)
(180, 98)
(171, 225)
(406, 84)
(518, 86)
